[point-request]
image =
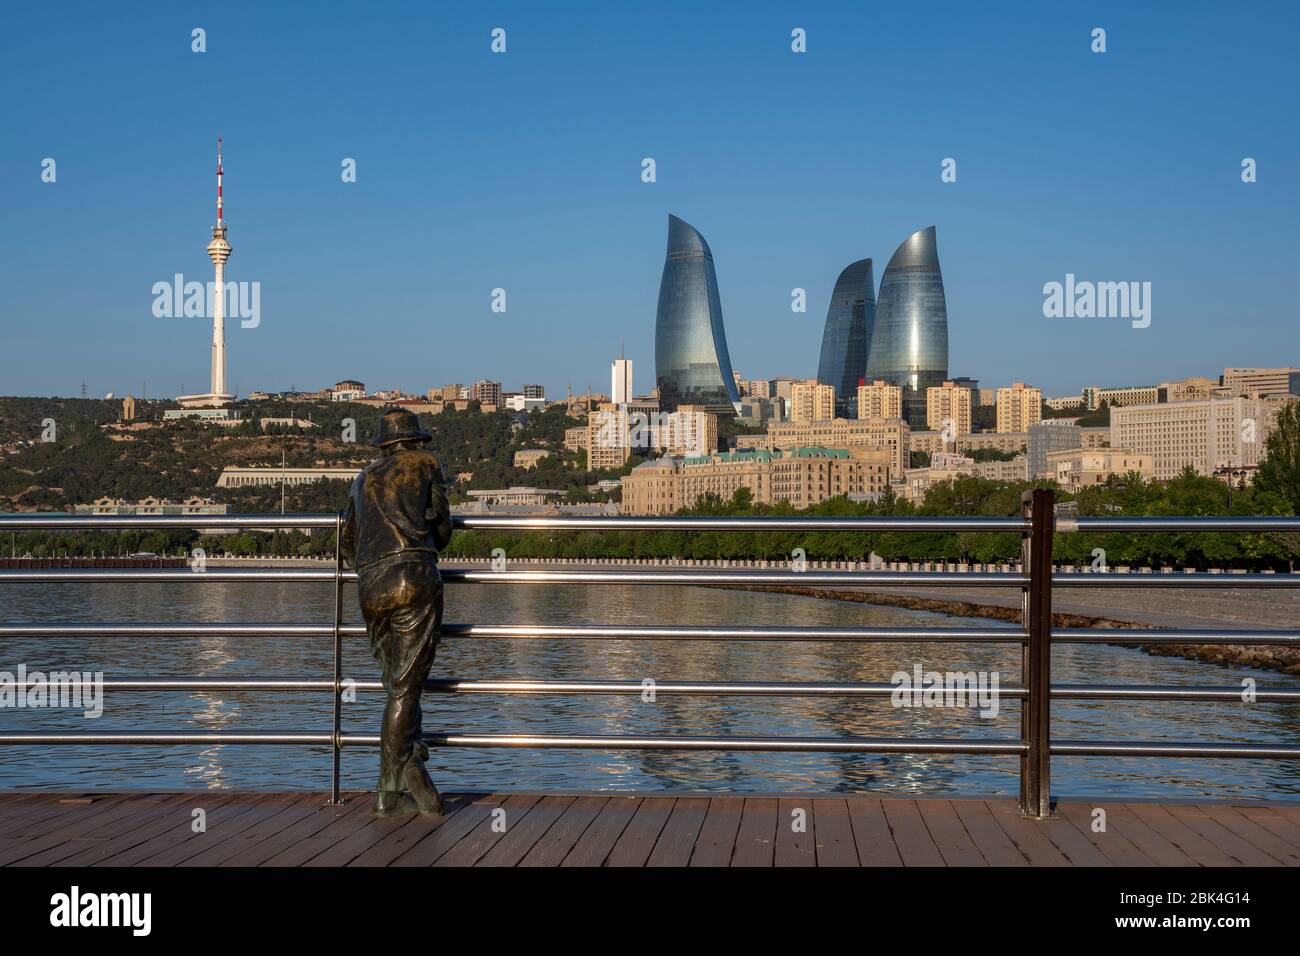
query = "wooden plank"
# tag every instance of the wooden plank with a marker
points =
(717, 839)
(1241, 850)
(989, 838)
(677, 839)
(949, 834)
(756, 837)
(1076, 847)
(1180, 835)
(149, 819)
(339, 822)
(318, 816)
(20, 817)
(1274, 823)
(637, 840)
(1151, 843)
(915, 846)
(1272, 844)
(560, 840)
(1026, 834)
(181, 843)
(871, 833)
(796, 843)
(363, 833)
(43, 818)
(292, 812)
(80, 821)
(523, 836)
(1112, 844)
(499, 821)
(388, 849)
(462, 822)
(833, 834)
(596, 842)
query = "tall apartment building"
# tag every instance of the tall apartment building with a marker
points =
(948, 409)
(801, 476)
(884, 434)
(620, 373)
(1205, 435)
(615, 432)
(880, 399)
(1019, 407)
(811, 401)
(1258, 382)
(535, 391)
(1047, 437)
(762, 388)
(486, 392)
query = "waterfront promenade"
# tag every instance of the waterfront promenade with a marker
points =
(618, 830)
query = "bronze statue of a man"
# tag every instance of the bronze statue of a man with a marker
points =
(397, 521)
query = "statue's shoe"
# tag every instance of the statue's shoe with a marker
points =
(423, 792)
(389, 804)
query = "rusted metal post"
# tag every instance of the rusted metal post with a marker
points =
(1038, 505)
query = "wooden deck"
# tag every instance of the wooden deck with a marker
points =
(528, 829)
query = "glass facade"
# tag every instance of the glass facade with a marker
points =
(909, 345)
(845, 339)
(692, 366)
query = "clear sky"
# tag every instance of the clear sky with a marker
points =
(522, 171)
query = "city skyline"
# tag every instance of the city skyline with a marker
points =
(787, 194)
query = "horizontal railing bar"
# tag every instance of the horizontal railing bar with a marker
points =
(60, 521)
(452, 685)
(553, 741)
(923, 523)
(56, 521)
(165, 739)
(1093, 579)
(790, 744)
(1095, 524)
(1146, 748)
(1086, 635)
(1170, 692)
(1009, 634)
(686, 576)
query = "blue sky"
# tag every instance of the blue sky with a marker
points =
(522, 171)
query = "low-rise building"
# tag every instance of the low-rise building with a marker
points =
(255, 476)
(1078, 468)
(527, 458)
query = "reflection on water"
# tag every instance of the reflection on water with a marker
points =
(264, 767)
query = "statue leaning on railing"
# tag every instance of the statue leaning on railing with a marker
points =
(397, 520)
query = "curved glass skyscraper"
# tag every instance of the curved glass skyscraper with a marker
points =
(847, 335)
(692, 366)
(909, 345)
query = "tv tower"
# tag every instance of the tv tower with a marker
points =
(218, 251)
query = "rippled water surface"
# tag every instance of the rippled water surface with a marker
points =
(268, 767)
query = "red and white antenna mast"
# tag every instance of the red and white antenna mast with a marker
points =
(219, 222)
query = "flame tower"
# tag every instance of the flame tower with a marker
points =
(219, 250)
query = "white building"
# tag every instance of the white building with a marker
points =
(1206, 435)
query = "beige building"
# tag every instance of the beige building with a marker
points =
(1205, 435)
(887, 434)
(575, 438)
(527, 458)
(256, 476)
(880, 399)
(1094, 398)
(801, 476)
(1019, 407)
(1078, 468)
(1188, 389)
(932, 442)
(616, 432)
(1258, 382)
(948, 409)
(486, 392)
(811, 401)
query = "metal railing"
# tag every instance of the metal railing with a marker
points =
(1035, 635)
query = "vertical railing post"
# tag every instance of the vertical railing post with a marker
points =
(1037, 504)
(337, 736)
